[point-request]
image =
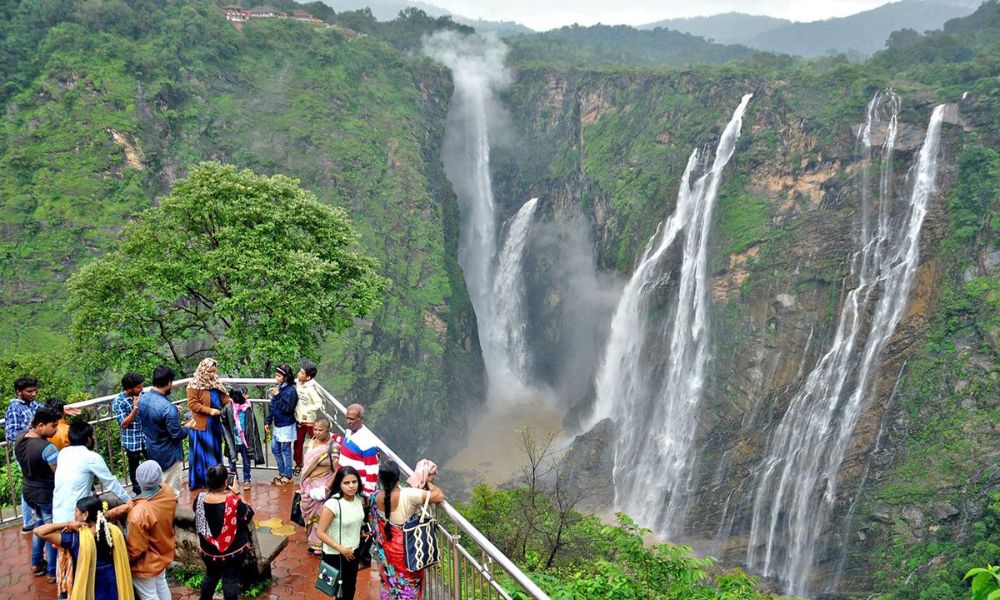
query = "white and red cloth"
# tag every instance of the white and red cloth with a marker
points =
(359, 449)
(229, 523)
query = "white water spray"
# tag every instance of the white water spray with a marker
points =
(656, 405)
(493, 278)
(796, 485)
(503, 336)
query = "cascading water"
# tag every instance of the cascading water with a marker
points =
(657, 409)
(505, 332)
(493, 281)
(796, 484)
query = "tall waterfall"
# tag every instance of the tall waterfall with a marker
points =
(796, 485)
(656, 405)
(492, 277)
(503, 336)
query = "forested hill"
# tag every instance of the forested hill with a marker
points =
(105, 104)
(603, 45)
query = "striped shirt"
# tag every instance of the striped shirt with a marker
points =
(359, 449)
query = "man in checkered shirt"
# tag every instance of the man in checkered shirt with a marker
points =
(125, 408)
(17, 420)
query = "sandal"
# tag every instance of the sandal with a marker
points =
(278, 481)
(246, 486)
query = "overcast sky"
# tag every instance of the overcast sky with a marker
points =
(547, 14)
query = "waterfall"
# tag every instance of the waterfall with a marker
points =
(656, 407)
(796, 484)
(503, 337)
(492, 277)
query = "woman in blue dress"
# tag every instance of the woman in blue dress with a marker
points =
(206, 396)
(96, 558)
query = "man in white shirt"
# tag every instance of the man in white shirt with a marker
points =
(78, 466)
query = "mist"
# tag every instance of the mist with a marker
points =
(570, 307)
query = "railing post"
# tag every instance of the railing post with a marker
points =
(14, 501)
(456, 586)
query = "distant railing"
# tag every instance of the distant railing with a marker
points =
(470, 567)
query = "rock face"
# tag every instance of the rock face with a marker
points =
(588, 465)
(613, 149)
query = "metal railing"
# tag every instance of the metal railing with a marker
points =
(470, 567)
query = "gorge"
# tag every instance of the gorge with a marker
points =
(762, 294)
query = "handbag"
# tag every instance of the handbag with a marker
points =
(296, 514)
(419, 540)
(330, 579)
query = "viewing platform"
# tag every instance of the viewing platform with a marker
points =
(293, 572)
(470, 567)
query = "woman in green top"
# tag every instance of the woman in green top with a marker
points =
(339, 528)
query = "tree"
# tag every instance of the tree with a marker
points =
(55, 378)
(248, 268)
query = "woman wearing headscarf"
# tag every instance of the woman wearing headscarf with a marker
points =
(392, 508)
(97, 565)
(206, 396)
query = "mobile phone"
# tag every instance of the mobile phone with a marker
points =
(230, 480)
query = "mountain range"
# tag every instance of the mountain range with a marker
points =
(862, 33)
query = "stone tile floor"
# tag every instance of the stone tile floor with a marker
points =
(294, 572)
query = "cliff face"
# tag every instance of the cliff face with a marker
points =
(107, 122)
(110, 123)
(612, 148)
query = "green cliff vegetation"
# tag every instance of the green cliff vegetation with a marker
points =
(950, 504)
(120, 99)
(108, 104)
(622, 136)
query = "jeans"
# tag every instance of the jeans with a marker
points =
(135, 458)
(39, 547)
(226, 569)
(152, 588)
(348, 573)
(241, 450)
(27, 515)
(283, 457)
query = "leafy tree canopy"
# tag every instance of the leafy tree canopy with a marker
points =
(54, 379)
(248, 268)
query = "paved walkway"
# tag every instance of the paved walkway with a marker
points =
(294, 572)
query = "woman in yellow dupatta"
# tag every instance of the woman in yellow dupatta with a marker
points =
(93, 563)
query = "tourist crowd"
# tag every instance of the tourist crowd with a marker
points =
(351, 504)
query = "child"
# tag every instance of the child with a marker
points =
(242, 412)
